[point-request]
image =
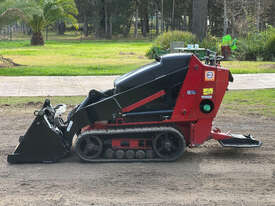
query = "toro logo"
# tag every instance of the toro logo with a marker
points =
(209, 76)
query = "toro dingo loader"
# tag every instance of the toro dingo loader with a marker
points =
(151, 114)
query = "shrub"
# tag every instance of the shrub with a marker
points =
(162, 42)
(251, 48)
(210, 42)
(256, 45)
(269, 49)
(248, 50)
(155, 51)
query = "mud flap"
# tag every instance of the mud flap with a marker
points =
(240, 141)
(41, 143)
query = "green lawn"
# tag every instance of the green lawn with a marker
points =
(244, 102)
(90, 57)
(255, 102)
(74, 57)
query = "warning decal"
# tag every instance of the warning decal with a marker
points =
(209, 76)
(207, 91)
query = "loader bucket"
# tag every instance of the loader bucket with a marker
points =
(41, 143)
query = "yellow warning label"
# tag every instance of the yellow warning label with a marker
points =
(207, 91)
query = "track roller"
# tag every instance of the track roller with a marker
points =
(140, 154)
(130, 154)
(120, 154)
(109, 153)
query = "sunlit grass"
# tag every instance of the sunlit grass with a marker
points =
(75, 57)
(259, 102)
(91, 57)
(246, 67)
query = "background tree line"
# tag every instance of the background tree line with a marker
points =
(139, 18)
(106, 18)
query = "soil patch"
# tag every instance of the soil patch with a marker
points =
(206, 175)
(267, 66)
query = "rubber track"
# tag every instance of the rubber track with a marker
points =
(131, 131)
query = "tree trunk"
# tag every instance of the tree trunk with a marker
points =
(61, 27)
(143, 27)
(24, 28)
(233, 25)
(85, 26)
(37, 39)
(157, 23)
(106, 18)
(162, 17)
(258, 4)
(199, 20)
(110, 27)
(184, 26)
(173, 15)
(136, 23)
(166, 27)
(145, 23)
(47, 32)
(10, 32)
(225, 18)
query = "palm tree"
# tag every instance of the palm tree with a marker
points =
(38, 14)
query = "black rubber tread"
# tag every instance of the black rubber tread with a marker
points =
(106, 132)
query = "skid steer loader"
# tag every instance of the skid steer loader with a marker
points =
(152, 114)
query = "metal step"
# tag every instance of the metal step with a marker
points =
(240, 141)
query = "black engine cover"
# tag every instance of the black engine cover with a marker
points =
(166, 65)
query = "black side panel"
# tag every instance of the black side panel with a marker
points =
(168, 83)
(110, 107)
(106, 109)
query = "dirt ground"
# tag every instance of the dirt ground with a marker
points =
(207, 175)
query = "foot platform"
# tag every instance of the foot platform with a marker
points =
(240, 141)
